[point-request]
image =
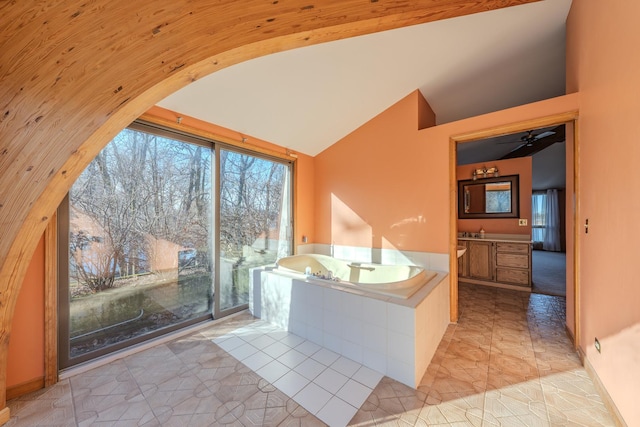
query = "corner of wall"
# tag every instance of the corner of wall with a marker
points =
(572, 56)
(426, 116)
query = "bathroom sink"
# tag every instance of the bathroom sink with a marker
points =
(461, 250)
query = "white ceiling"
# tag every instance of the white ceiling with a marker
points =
(309, 98)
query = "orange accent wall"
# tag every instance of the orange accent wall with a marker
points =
(304, 187)
(372, 186)
(26, 345)
(437, 156)
(604, 66)
(386, 185)
(522, 167)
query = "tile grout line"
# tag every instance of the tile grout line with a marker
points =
(73, 402)
(493, 325)
(326, 367)
(126, 365)
(531, 326)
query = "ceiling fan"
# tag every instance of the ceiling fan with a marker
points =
(530, 138)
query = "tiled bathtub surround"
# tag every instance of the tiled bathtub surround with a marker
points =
(394, 336)
(324, 383)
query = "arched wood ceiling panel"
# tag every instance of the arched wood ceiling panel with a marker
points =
(74, 73)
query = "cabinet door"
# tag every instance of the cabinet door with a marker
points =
(481, 260)
(463, 261)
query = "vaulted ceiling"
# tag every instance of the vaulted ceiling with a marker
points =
(309, 98)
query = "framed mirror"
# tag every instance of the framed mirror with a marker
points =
(489, 198)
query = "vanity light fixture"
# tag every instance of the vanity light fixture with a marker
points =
(485, 173)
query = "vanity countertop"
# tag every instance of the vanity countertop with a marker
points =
(511, 238)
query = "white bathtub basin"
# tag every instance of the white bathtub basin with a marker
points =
(399, 281)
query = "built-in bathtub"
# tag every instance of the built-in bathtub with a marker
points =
(395, 335)
(398, 281)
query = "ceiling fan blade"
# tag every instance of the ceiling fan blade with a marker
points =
(511, 142)
(517, 148)
(544, 134)
(529, 138)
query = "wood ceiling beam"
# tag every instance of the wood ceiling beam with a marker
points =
(74, 73)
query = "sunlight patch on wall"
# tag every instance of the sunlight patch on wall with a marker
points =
(347, 227)
(393, 255)
(403, 232)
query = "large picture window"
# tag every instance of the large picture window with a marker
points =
(254, 220)
(147, 240)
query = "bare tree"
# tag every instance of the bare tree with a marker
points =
(138, 188)
(250, 204)
(143, 186)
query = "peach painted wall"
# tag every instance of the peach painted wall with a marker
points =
(373, 186)
(387, 183)
(426, 116)
(520, 166)
(304, 199)
(26, 345)
(438, 140)
(604, 66)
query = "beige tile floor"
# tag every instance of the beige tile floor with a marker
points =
(507, 362)
(330, 386)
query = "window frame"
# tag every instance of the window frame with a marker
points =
(191, 136)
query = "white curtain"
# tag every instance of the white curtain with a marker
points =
(538, 210)
(284, 237)
(551, 240)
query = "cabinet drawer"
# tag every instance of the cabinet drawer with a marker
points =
(519, 277)
(512, 260)
(520, 248)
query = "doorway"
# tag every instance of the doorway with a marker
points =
(548, 232)
(572, 213)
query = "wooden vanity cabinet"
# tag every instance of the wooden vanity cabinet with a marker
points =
(492, 262)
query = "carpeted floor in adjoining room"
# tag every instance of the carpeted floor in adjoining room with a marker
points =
(549, 273)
